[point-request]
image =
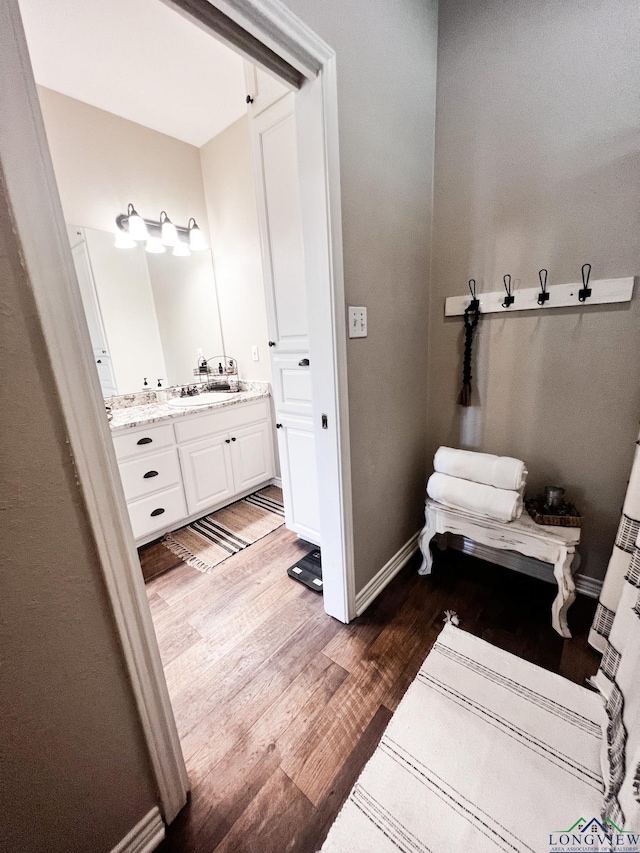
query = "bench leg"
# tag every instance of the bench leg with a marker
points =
(566, 592)
(427, 534)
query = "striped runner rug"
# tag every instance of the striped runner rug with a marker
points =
(214, 538)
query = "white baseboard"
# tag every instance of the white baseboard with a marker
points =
(386, 574)
(520, 563)
(145, 835)
(276, 481)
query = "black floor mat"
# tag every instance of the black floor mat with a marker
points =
(308, 570)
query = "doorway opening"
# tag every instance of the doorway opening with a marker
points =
(70, 349)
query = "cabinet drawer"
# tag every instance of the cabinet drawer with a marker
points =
(157, 512)
(142, 442)
(224, 420)
(152, 473)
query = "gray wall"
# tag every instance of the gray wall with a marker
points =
(538, 165)
(386, 54)
(74, 771)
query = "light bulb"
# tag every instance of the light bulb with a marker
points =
(169, 231)
(181, 250)
(154, 246)
(137, 225)
(196, 238)
(123, 241)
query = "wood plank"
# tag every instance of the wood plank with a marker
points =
(348, 647)
(315, 760)
(174, 635)
(216, 672)
(248, 699)
(315, 831)
(156, 604)
(273, 821)
(156, 559)
(228, 788)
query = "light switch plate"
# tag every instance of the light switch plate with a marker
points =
(254, 353)
(357, 322)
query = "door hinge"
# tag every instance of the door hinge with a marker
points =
(325, 422)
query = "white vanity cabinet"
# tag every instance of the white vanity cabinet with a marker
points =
(152, 480)
(177, 471)
(217, 469)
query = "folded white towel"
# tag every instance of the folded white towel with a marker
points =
(500, 504)
(503, 472)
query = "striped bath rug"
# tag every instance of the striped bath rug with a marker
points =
(208, 541)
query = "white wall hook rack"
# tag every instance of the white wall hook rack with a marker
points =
(603, 292)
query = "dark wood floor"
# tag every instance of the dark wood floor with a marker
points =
(279, 706)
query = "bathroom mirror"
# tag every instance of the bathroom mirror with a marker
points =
(148, 314)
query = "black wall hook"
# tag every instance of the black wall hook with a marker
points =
(475, 302)
(585, 292)
(543, 296)
(509, 298)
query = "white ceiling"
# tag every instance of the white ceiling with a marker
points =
(138, 59)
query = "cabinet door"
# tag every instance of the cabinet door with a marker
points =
(291, 384)
(207, 473)
(296, 444)
(262, 88)
(252, 456)
(279, 212)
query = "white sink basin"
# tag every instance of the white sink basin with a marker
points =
(205, 399)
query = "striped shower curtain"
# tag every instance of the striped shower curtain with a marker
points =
(624, 565)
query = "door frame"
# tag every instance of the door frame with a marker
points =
(38, 221)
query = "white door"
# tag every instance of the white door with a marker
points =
(278, 197)
(207, 472)
(279, 212)
(298, 468)
(251, 456)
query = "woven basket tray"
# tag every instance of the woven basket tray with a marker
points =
(535, 509)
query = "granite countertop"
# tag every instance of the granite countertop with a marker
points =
(151, 413)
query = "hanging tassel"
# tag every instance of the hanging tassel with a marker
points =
(471, 319)
(451, 618)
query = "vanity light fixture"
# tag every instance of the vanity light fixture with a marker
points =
(169, 231)
(137, 225)
(155, 246)
(123, 241)
(196, 238)
(181, 250)
(158, 234)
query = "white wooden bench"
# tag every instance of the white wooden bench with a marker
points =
(555, 545)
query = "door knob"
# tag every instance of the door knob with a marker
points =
(233, 439)
(272, 343)
(278, 426)
(227, 440)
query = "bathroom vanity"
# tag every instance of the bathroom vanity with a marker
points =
(179, 464)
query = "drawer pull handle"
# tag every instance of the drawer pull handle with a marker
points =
(144, 441)
(158, 511)
(304, 362)
(150, 474)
